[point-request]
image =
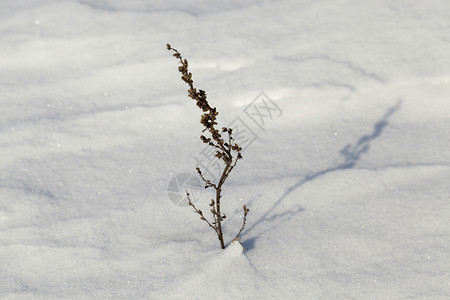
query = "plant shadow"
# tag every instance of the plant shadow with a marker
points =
(350, 156)
(249, 244)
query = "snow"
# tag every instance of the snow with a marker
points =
(347, 184)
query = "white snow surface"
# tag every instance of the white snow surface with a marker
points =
(347, 185)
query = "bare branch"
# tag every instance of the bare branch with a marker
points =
(246, 210)
(199, 212)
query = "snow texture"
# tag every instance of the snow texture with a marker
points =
(346, 176)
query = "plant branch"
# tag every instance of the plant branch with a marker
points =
(225, 151)
(244, 220)
(199, 212)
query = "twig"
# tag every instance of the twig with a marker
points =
(199, 212)
(246, 210)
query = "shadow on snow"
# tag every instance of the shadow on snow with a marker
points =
(350, 155)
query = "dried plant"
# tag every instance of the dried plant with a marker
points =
(227, 151)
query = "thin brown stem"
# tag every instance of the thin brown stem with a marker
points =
(199, 212)
(218, 211)
(208, 183)
(244, 220)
